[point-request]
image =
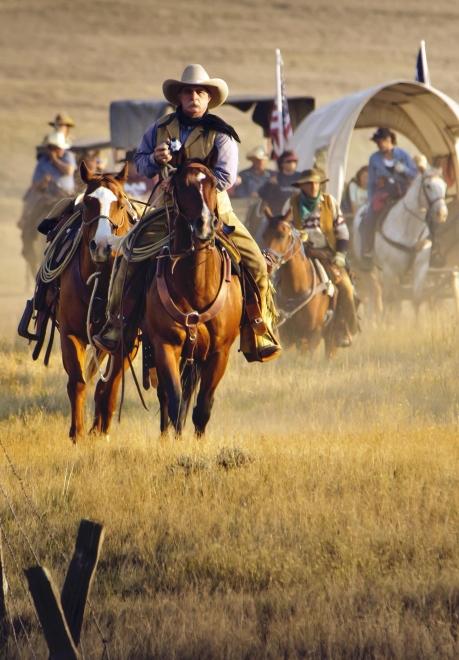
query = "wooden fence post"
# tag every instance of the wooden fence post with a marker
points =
(62, 617)
(80, 574)
(52, 618)
(4, 625)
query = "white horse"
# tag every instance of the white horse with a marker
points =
(402, 242)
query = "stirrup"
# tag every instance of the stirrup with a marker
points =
(23, 327)
(105, 343)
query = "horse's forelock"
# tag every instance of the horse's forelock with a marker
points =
(106, 180)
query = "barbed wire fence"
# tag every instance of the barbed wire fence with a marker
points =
(22, 625)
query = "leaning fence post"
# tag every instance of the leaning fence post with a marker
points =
(47, 603)
(4, 627)
(80, 575)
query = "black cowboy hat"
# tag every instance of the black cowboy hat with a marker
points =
(129, 157)
(287, 156)
(382, 134)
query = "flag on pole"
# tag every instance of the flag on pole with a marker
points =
(422, 70)
(280, 127)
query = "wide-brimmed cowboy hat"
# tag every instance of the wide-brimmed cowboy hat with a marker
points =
(310, 176)
(62, 119)
(257, 154)
(57, 139)
(195, 75)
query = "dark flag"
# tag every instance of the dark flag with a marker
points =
(422, 70)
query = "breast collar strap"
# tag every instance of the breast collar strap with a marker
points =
(190, 320)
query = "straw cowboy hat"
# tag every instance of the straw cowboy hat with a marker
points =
(62, 119)
(257, 154)
(58, 140)
(196, 75)
(310, 176)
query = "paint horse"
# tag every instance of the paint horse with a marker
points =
(106, 215)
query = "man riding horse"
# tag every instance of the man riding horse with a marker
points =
(390, 172)
(318, 217)
(191, 132)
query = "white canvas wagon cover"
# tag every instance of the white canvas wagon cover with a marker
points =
(426, 116)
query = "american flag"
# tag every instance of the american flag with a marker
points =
(280, 127)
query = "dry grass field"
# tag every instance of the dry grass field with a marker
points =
(319, 517)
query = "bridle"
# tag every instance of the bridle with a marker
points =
(294, 246)
(124, 203)
(430, 202)
(190, 320)
(205, 245)
(424, 219)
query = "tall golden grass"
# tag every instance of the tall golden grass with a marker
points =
(319, 517)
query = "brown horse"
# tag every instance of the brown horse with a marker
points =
(300, 291)
(106, 213)
(194, 304)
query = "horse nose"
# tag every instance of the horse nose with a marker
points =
(92, 245)
(442, 214)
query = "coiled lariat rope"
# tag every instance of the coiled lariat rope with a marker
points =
(48, 270)
(134, 253)
(104, 376)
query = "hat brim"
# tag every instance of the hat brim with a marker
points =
(217, 87)
(299, 183)
(70, 124)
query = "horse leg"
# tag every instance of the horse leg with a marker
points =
(106, 395)
(73, 357)
(163, 409)
(170, 388)
(211, 374)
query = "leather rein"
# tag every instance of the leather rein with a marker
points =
(413, 249)
(190, 320)
(281, 258)
(295, 245)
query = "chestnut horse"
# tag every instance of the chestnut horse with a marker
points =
(194, 304)
(106, 213)
(300, 290)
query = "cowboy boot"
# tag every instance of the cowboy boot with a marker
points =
(109, 337)
(262, 345)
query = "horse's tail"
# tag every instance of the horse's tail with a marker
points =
(190, 377)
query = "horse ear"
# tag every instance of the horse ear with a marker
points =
(85, 173)
(123, 174)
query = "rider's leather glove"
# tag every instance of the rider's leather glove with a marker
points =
(340, 260)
